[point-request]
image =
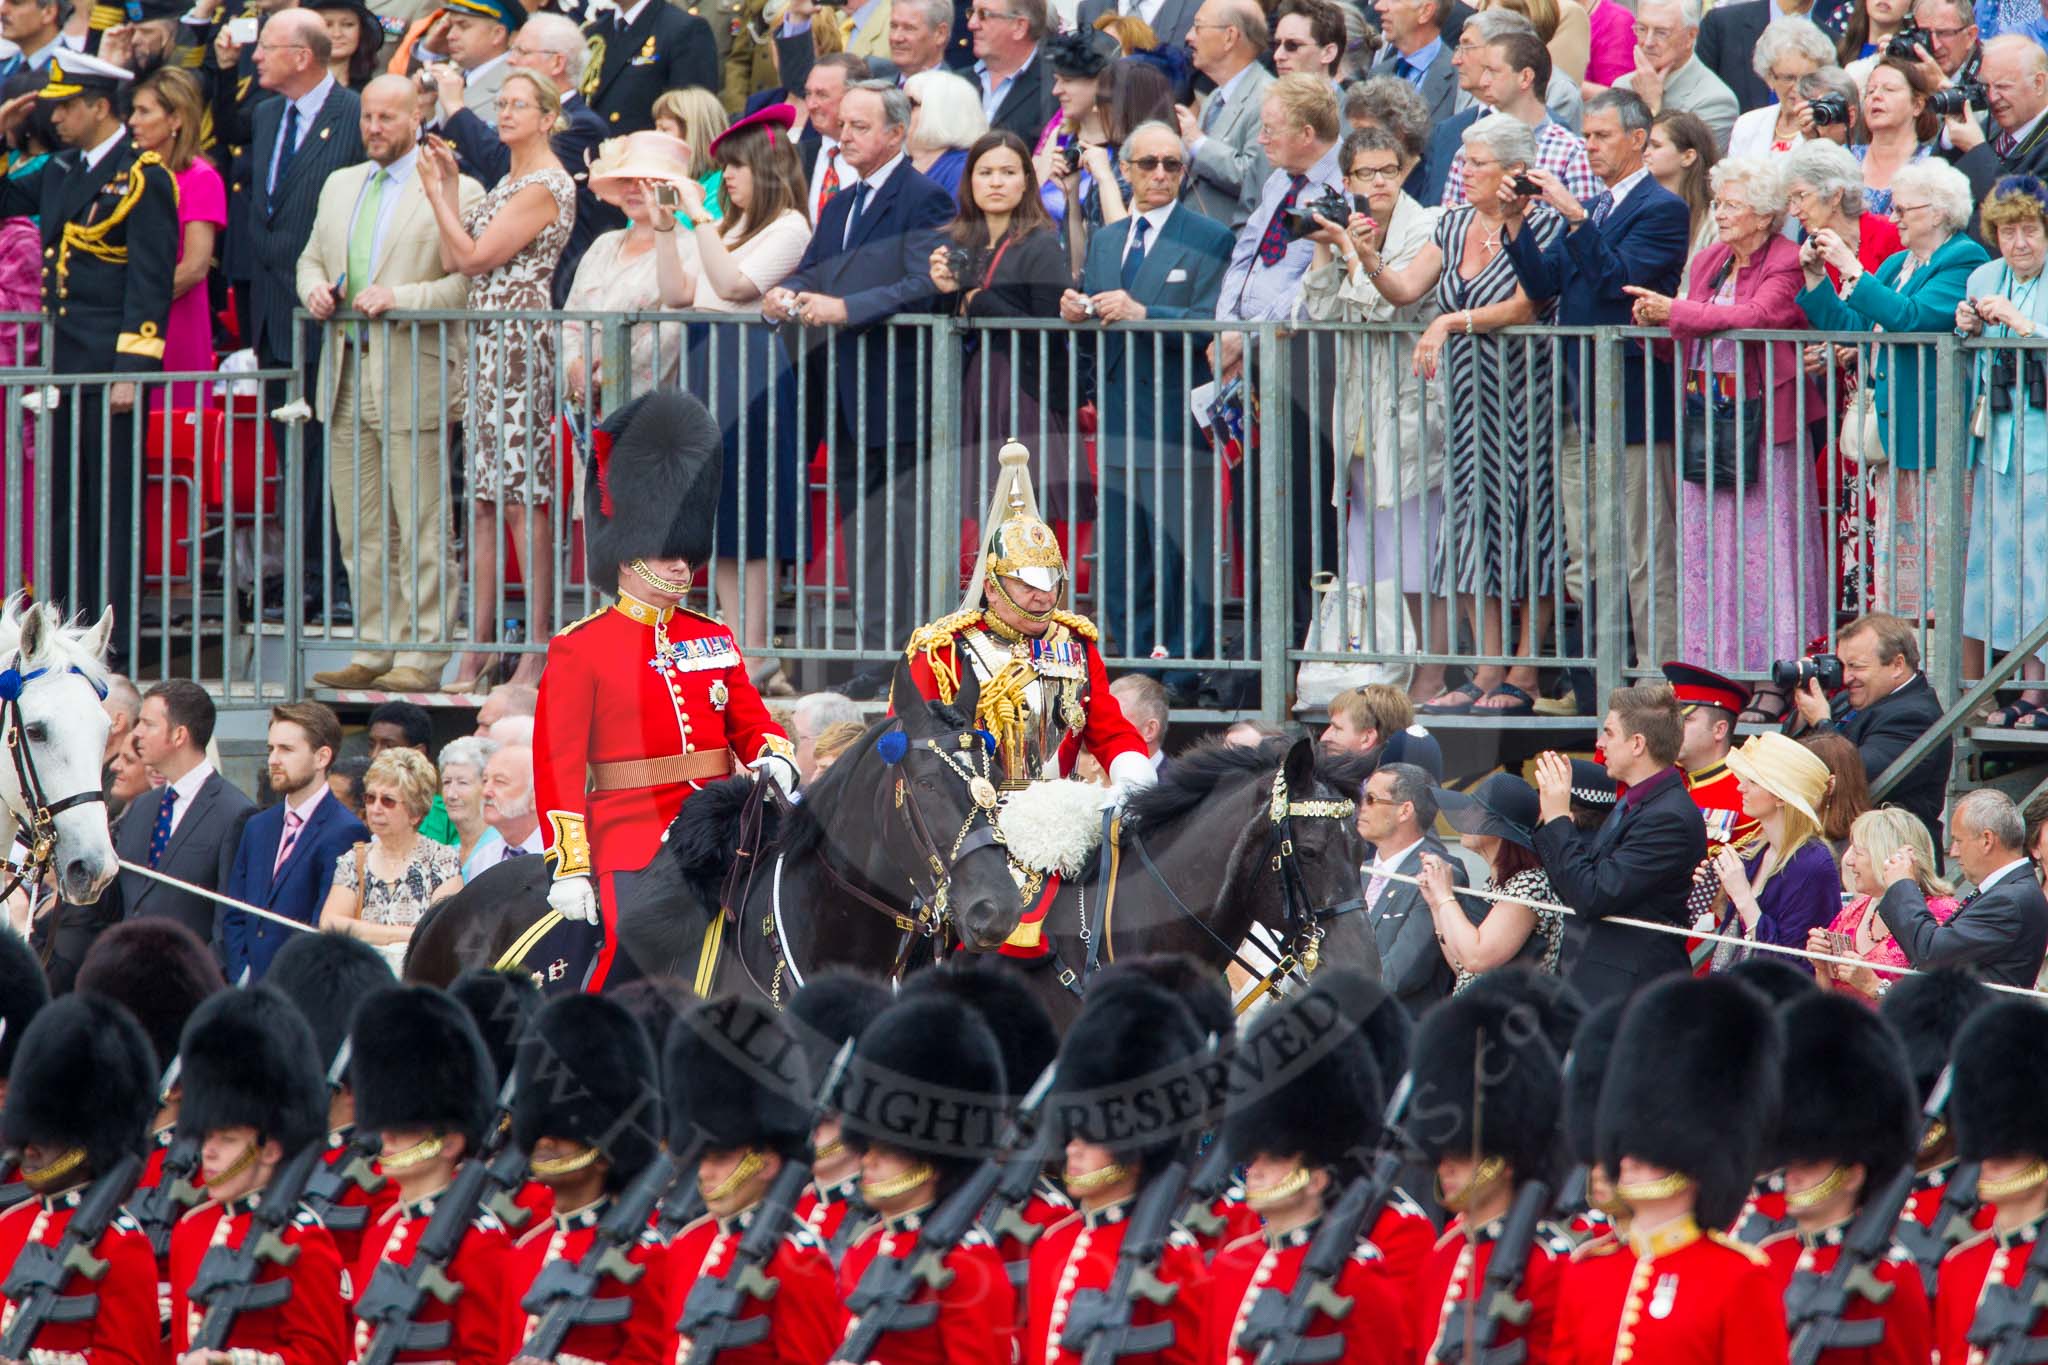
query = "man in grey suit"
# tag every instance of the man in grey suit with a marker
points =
(1397, 813)
(2001, 929)
(1419, 52)
(190, 827)
(1227, 38)
(1171, 20)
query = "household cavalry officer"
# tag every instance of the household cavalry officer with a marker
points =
(1693, 1077)
(1044, 692)
(257, 1100)
(645, 701)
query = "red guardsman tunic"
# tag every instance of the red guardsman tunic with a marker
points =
(1907, 1316)
(637, 685)
(1229, 1219)
(309, 1328)
(1675, 1296)
(1714, 792)
(1455, 1274)
(824, 1209)
(1989, 1258)
(1375, 1331)
(374, 1204)
(1764, 1214)
(484, 1318)
(977, 1322)
(645, 1338)
(123, 1328)
(807, 1318)
(1404, 1236)
(1080, 1253)
(1046, 1207)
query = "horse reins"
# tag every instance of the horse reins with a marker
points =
(39, 813)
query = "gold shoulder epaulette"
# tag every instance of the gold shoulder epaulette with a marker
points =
(940, 632)
(1722, 1239)
(583, 622)
(1077, 623)
(703, 616)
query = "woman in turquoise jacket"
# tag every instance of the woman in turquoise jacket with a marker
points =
(1914, 290)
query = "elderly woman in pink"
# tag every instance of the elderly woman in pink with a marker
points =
(1856, 931)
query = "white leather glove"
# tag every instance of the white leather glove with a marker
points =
(574, 898)
(781, 769)
(1133, 772)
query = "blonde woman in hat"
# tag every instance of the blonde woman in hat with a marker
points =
(1785, 883)
(621, 272)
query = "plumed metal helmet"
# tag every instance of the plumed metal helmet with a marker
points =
(84, 1076)
(1999, 1106)
(250, 1060)
(1848, 1093)
(1553, 1003)
(585, 1071)
(1779, 978)
(736, 1077)
(926, 1078)
(1585, 1070)
(1492, 1043)
(1022, 1028)
(831, 1007)
(419, 1063)
(1126, 1072)
(1928, 1010)
(502, 1004)
(158, 969)
(23, 991)
(1198, 987)
(655, 469)
(1305, 1082)
(1693, 1086)
(327, 975)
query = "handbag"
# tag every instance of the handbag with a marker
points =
(1862, 436)
(1341, 625)
(1734, 456)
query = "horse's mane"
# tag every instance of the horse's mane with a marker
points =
(1211, 766)
(61, 643)
(701, 839)
(804, 829)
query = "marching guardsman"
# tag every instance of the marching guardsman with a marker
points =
(1693, 1076)
(832, 1007)
(1847, 1129)
(735, 1078)
(1999, 1107)
(1594, 1211)
(645, 701)
(587, 1111)
(1710, 703)
(256, 1099)
(326, 976)
(1486, 1102)
(1044, 692)
(1928, 1009)
(1302, 1140)
(502, 1004)
(1765, 1214)
(922, 1105)
(1132, 1044)
(423, 1083)
(79, 1100)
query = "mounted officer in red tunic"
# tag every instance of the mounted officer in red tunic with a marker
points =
(645, 701)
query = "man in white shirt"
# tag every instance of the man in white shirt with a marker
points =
(1396, 813)
(829, 171)
(1669, 73)
(508, 799)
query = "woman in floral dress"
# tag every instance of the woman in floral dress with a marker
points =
(508, 246)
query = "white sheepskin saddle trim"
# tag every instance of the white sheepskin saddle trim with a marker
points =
(1053, 827)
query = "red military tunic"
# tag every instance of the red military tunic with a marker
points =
(1044, 1208)
(1989, 1258)
(1673, 1296)
(1714, 791)
(977, 1321)
(123, 1329)
(807, 1319)
(1764, 1214)
(1404, 1236)
(824, 1209)
(1588, 1226)
(1375, 1331)
(629, 684)
(645, 1338)
(1907, 1316)
(309, 1328)
(1228, 1219)
(373, 1203)
(1455, 1274)
(1080, 1253)
(484, 1317)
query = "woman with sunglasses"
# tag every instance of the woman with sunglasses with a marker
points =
(381, 888)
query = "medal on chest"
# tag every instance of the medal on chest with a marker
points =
(1663, 1296)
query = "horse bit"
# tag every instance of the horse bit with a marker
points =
(1303, 918)
(40, 813)
(930, 901)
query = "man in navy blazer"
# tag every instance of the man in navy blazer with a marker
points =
(1155, 471)
(1636, 233)
(286, 857)
(869, 260)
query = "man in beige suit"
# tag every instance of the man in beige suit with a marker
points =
(866, 27)
(385, 390)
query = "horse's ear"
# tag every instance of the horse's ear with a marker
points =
(906, 701)
(1300, 765)
(102, 634)
(33, 623)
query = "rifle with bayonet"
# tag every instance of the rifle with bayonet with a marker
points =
(330, 1183)
(682, 1203)
(1207, 1185)
(176, 1193)
(564, 1296)
(2003, 1330)
(1499, 1304)
(1955, 1217)
(35, 1283)
(1099, 1328)
(227, 1283)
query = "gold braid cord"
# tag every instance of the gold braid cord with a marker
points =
(1004, 707)
(594, 67)
(935, 642)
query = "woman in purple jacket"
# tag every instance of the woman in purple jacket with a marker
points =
(1783, 883)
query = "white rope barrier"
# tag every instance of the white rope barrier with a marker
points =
(217, 898)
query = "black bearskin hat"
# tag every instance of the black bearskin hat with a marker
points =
(927, 1077)
(327, 975)
(1132, 1045)
(1781, 980)
(1489, 1035)
(1693, 1085)
(832, 1007)
(157, 968)
(734, 1075)
(1022, 1028)
(1999, 1106)
(1584, 1072)
(1319, 1094)
(84, 1076)
(23, 991)
(1848, 1095)
(501, 1003)
(586, 1072)
(250, 1060)
(1928, 1011)
(656, 467)
(420, 1063)
(1558, 1006)
(1380, 1019)
(1198, 988)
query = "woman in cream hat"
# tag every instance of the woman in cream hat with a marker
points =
(622, 270)
(1783, 883)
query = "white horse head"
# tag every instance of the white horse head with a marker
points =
(52, 678)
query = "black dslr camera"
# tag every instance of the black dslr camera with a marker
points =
(1301, 219)
(1902, 43)
(1826, 669)
(1828, 109)
(2006, 368)
(1956, 99)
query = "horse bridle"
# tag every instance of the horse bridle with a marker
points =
(930, 899)
(37, 813)
(1301, 917)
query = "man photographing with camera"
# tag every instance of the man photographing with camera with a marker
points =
(2014, 139)
(1885, 703)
